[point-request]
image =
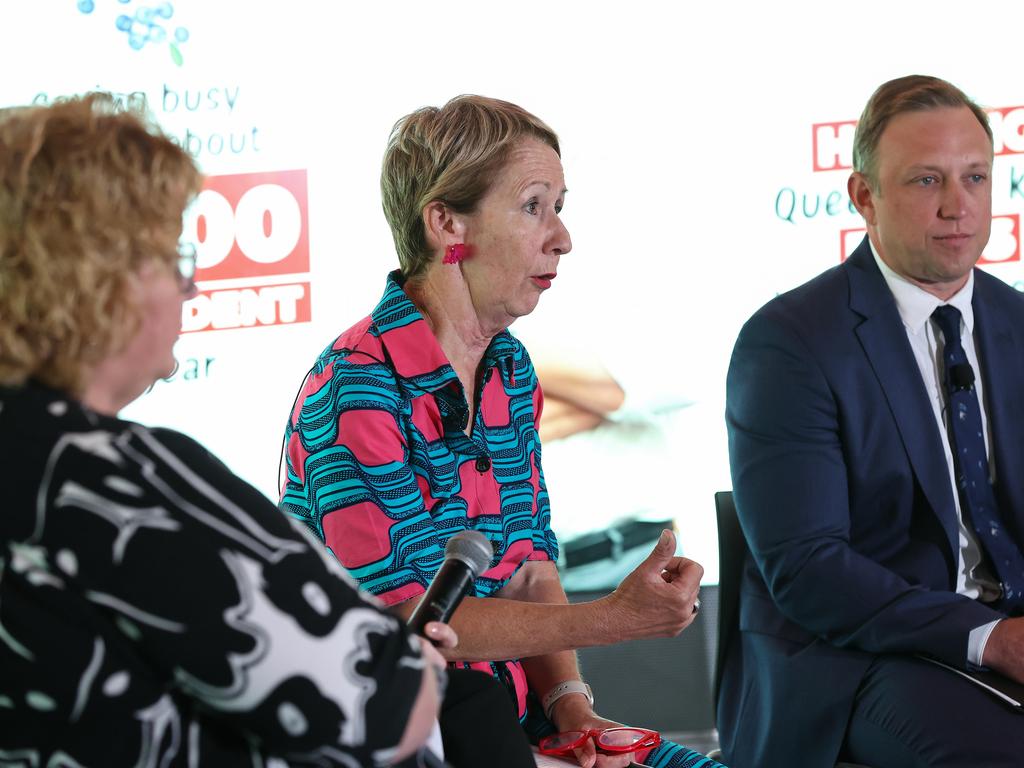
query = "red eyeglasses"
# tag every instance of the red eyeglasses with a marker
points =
(609, 740)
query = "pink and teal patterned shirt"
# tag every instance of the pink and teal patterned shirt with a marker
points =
(379, 466)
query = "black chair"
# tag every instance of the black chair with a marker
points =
(732, 551)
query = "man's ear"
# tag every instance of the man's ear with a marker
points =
(442, 225)
(863, 194)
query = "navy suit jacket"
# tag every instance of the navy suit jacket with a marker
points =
(845, 500)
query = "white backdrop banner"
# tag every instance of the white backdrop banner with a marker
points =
(706, 151)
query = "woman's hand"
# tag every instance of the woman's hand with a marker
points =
(657, 598)
(438, 635)
(573, 713)
(423, 717)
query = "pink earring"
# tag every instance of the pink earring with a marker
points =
(456, 253)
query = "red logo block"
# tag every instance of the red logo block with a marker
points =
(833, 145)
(849, 239)
(247, 307)
(1004, 242)
(1007, 125)
(248, 229)
(250, 225)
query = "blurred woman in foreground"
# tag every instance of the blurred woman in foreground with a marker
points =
(154, 608)
(421, 421)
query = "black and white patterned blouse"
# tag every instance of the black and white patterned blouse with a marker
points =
(156, 610)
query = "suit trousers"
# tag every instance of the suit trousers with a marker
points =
(910, 713)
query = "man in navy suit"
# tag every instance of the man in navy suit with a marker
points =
(864, 554)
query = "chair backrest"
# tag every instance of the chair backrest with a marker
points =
(732, 549)
(732, 552)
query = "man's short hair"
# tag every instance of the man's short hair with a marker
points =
(450, 154)
(913, 93)
(89, 192)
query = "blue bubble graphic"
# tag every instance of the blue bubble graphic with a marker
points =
(86, 6)
(144, 25)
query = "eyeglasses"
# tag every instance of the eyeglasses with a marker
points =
(609, 740)
(186, 267)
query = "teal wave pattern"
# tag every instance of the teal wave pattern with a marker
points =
(330, 473)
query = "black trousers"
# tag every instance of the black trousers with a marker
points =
(479, 725)
(911, 714)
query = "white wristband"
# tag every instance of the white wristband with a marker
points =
(564, 689)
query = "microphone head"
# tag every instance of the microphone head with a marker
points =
(472, 548)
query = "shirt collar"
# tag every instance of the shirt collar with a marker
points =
(916, 305)
(413, 349)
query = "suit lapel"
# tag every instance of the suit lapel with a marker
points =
(999, 353)
(885, 343)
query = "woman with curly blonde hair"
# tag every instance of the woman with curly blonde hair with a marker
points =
(114, 653)
(89, 197)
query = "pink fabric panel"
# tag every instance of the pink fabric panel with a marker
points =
(400, 595)
(297, 456)
(412, 351)
(514, 555)
(480, 490)
(427, 418)
(358, 534)
(494, 401)
(354, 336)
(372, 436)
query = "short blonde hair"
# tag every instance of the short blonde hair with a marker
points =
(913, 93)
(88, 193)
(452, 155)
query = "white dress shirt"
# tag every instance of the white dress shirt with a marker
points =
(915, 305)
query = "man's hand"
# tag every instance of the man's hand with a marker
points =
(573, 713)
(1004, 651)
(657, 598)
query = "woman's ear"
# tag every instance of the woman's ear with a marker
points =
(442, 225)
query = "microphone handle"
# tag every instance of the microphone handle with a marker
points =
(446, 591)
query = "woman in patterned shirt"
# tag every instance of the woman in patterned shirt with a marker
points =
(155, 610)
(421, 421)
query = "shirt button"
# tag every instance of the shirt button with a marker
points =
(483, 463)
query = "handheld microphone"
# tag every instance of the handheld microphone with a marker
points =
(466, 555)
(961, 376)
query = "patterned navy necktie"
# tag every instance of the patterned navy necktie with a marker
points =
(967, 441)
